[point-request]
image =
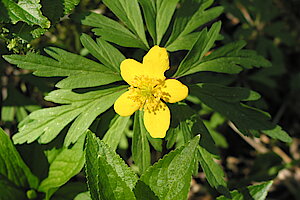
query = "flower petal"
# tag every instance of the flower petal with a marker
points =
(156, 62)
(157, 123)
(131, 68)
(125, 106)
(176, 90)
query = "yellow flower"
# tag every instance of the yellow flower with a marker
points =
(149, 89)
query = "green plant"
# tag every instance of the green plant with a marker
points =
(88, 87)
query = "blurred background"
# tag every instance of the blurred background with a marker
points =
(271, 27)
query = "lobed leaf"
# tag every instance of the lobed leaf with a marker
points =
(112, 31)
(234, 54)
(129, 12)
(46, 124)
(182, 16)
(228, 59)
(225, 102)
(191, 15)
(183, 43)
(81, 72)
(104, 52)
(204, 42)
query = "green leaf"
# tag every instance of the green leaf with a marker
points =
(103, 51)
(149, 10)
(66, 164)
(8, 113)
(230, 59)
(230, 94)
(190, 125)
(81, 71)
(12, 166)
(85, 119)
(112, 31)
(16, 105)
(278, 133)
(204, 42)
(114, 134)
(27, 11)
(165, 10)
(83, 196)
(170, 177)
(23, 31)
(201, 17)
(46, 124)
(143, 191)
(129, 12)
(181, 18)
(108, 176)
(185, 42)
(21, 113)
(9, 190)
(225, 100)
(70, 190)
(212, 125)
(255, 192)
(186, 23)
(220, 65)
(156, 143)
(69, 5)
(213, 172)
(56, 9)
(140, 146)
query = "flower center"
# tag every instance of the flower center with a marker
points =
(148, 92)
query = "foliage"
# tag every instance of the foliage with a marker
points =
(70, 94)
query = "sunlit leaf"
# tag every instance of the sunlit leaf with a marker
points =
(81, 72)
(103, 51)
(66, 164)
(46, 124)
(109, 178)
(170, 177)
(27, 11)
(129, 12)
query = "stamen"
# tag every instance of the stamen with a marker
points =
(147, 93)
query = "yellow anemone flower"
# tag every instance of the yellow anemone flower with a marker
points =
(149, 89)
